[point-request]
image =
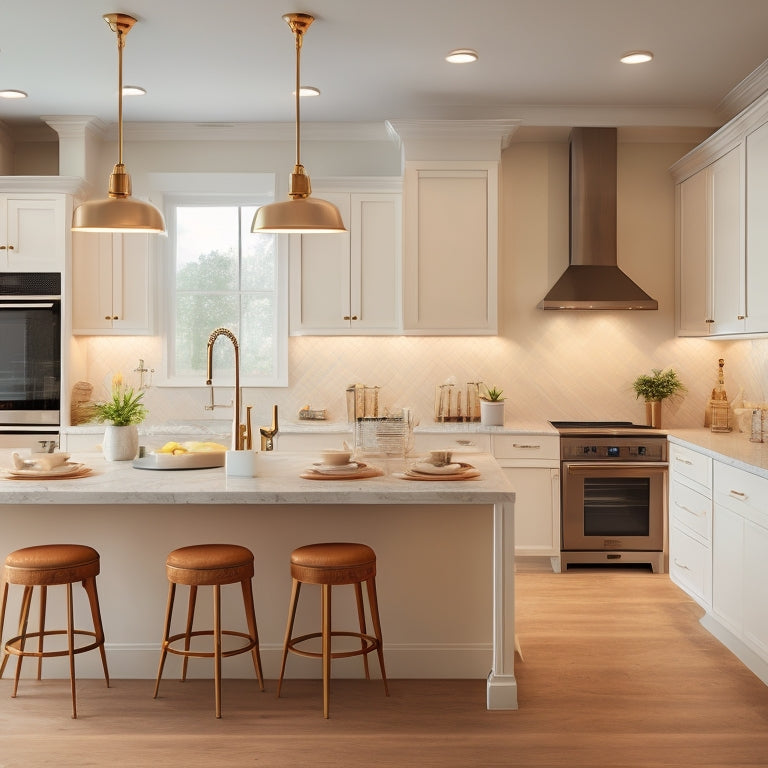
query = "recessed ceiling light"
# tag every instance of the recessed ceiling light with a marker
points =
(637, 57)
(307, 90)
(133, 90)
(462, 56)
(11, 94)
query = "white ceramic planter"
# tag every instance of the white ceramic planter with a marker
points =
(120, 443)
(492, 413)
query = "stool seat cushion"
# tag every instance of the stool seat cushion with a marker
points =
(209, 564)
(51, 564)
(333, 563)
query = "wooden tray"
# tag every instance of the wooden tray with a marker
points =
(465, 474)
(362, 471)
(75, 470)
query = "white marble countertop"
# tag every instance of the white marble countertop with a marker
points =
(278, 481)
(218, 428)
(732, 448)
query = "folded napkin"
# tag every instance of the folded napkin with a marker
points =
(430, 469)
(332, 469)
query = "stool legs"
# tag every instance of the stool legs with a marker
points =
(216, 633)
(326, 634)
(89, 585)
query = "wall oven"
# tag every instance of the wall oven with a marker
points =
(30, 352)
(613, 495)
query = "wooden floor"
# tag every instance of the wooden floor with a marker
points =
(617, 672)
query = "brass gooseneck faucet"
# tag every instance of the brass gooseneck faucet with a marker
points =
(241, 433)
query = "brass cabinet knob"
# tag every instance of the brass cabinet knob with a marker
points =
(740, 317)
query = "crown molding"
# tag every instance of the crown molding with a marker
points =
(751, 88)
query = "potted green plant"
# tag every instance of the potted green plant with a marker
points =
(122, 412)
(492, 407)
(655, 387)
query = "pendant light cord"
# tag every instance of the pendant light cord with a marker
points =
(120, 46)
(299, 35)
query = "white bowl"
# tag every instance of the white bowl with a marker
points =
(336, 456)
(440, 457)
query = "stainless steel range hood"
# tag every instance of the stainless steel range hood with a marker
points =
(593, 279)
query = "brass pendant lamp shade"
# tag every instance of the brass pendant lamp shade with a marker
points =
(302, 213)
(119, 212)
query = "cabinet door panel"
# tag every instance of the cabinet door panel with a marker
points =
(693, 266)
(451, 240)
(91, 282)
(537, 530)
(131, 284)
(727, 571)
(728, 290)
(375, 278)
(35, 234)
(756, 583)
(757, 230)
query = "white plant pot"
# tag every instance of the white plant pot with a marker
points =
(492, 413)
(120, 443)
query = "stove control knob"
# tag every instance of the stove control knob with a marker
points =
(641, 450)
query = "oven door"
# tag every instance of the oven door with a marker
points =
(613, 506)
(30, 361)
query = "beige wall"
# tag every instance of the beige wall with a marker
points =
(568, 365)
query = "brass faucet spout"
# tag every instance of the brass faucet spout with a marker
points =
(237, 436)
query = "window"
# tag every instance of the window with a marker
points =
(221, 274)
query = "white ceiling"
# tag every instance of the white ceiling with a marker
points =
(545, 62)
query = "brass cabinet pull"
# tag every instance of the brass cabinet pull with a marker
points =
(709, 321)
(347, 317)
(740, 317)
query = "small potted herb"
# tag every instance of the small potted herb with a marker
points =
(492, 407)
(655, 387)
(122, 412)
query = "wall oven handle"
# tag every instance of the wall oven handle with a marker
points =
(581, 467)
(28, 305)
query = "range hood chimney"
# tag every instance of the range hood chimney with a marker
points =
(593, 279)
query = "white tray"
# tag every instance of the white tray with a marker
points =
(196, 460)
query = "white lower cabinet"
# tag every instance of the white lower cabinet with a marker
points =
(723, 566)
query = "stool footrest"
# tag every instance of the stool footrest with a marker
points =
(371, 644)
(11, 645)
(250, 645)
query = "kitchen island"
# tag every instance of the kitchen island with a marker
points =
(444, 549)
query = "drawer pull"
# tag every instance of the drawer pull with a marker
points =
(737, 494)
(683, 461)
(525, 445)
(466, 442)
(681, 565)
(688, 510)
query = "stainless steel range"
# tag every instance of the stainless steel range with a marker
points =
(613, 492)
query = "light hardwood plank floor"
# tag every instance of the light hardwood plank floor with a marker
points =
(617, 672)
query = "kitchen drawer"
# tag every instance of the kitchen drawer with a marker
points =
(690, 464)
(742, 492)
(452, 441)
(690, 509)
(690, 565)
(526, 447)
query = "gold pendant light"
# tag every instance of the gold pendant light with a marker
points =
(302, 213)
(119, 212)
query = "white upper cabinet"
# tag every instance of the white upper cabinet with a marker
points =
(722, 245)
(33, 232)
(111, 291)
(349, 284)
(451, 248)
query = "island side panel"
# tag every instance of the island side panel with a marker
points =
(435, 572)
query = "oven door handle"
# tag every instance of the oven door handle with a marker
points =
(584, 467)
(28, 305)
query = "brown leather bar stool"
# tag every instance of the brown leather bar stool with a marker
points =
(45, 566)
(210, 565)
(333, 565)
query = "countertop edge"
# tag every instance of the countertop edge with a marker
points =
(733, 449)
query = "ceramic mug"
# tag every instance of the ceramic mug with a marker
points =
(240, 463)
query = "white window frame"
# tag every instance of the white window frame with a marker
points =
(218, 190)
